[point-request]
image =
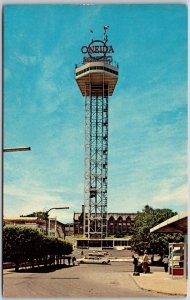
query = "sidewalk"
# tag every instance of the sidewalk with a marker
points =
(161, 282)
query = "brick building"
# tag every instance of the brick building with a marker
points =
(119, 224)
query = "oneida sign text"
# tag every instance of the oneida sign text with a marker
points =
(97, 47)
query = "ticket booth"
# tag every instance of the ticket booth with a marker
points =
(177, 259)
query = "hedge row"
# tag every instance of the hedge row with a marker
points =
(25, 244)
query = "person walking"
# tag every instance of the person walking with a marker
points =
(73, 260)
(135, 262)
(165, 261)
(145, 262)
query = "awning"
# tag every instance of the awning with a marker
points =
(177, 224)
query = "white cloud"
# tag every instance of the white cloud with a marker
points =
(31, 194)
(80, 188)
(50, 64)
(169, 194)
(26, 59)
(23, 201)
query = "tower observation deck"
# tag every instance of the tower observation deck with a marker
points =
(96, 78)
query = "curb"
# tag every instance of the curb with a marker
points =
(153, 290)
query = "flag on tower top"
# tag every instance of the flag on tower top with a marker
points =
(105, 28)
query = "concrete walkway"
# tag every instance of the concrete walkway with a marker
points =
(162, 282)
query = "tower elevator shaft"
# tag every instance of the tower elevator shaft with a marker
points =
(96, 160)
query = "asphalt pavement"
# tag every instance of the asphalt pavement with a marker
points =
(109, 281)
(114, 280)
(157, 280)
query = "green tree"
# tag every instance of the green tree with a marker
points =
(153, 242)
(40, 214)
(26, 244)
(21, 243)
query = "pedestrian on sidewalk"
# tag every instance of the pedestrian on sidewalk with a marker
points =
(73, 260)
(165, 261)
(145, 262)
(69, 260)
(135, 261)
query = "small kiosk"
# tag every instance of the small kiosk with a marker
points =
(177, 259)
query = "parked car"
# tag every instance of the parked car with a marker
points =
(93, 259)
(101, 253)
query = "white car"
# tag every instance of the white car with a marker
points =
(97, 254)
(93, 260)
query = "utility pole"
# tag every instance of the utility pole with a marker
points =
(16, 149)
(47, 215)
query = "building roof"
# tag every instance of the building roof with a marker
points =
(115, 215)
(24, 219)
(177, 224)
(21, 219)
(123, 215)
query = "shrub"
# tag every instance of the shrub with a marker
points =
(21, 244)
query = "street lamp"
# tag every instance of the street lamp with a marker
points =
(47, 215)
(16, 149)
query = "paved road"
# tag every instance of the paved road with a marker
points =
(112, 252)
(109, 281)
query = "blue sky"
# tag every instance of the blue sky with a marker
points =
(43, 107)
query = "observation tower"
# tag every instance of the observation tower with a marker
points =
(96, 78)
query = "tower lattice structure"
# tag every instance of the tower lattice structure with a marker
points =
(96, 79)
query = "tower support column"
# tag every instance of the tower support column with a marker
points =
(96, 161)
